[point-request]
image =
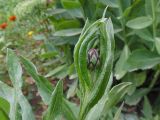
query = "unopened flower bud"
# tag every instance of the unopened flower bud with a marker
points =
(93, 58)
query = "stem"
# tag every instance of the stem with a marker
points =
(155, 78)
(122, 21)
(154, 18)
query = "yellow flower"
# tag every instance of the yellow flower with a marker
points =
(30, 33)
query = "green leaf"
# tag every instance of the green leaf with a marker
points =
(72, 89)
(136, 78)
(147, 109)
(118, 113)
(157, 44)
(44, 86)
(139, 22)
(136, 96)
(66, 24)
(96, 111)
(144, 34)
(89, 8)
(115, 95)
(6, 92)
(56, 70)
(26, 109)
(102, 28)
(131, 116)
(110, 3)
(70, 4)
(4, 109)
(15, 73)
(55, 105)
(68, 32)
(119, 68)
(14, 69)
(49, 54)
(70, 110)
(142, 59)
(148, 7)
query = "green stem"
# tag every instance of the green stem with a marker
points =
(154, 18)
(155, 78)
(123, 22)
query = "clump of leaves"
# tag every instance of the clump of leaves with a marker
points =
(96, 94)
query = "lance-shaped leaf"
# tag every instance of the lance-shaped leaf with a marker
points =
(14, 69)
(70, 110)
(115, 95)
(6, 93)
(26, 109)
(140, 22)
(108, 101)
(119, 68)
(141, 59)
(44, 86)
(15, 73)
(118, 113)
(55, 105)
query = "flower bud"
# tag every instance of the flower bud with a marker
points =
(93, 58)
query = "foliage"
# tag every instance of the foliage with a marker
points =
(59, 26)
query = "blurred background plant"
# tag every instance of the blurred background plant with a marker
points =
(46, 31)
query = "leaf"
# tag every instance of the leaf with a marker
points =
(26, 109)
(70, 110)
(144, 34)
(157, 44)
(118, 113)
(147, 109)
(70, 4)
(148, 7)
(68, 32)
(139, 22)
(96, 111)
(14, 69)
(89, 8)
(132, 116)
(136, 78)
(66, 24)
(49, 54)
(110, 3)
(4, 109)
(15, 73)
(104, 28)
(55, 105)
(44, 86)
(72, 90)
(6, 92)
(136, 96)
(39, 37)
(141, 59)
(115, 95)
(119, 68)
(56, 70)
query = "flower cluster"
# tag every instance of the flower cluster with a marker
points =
(5, 24)
(12, 18)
